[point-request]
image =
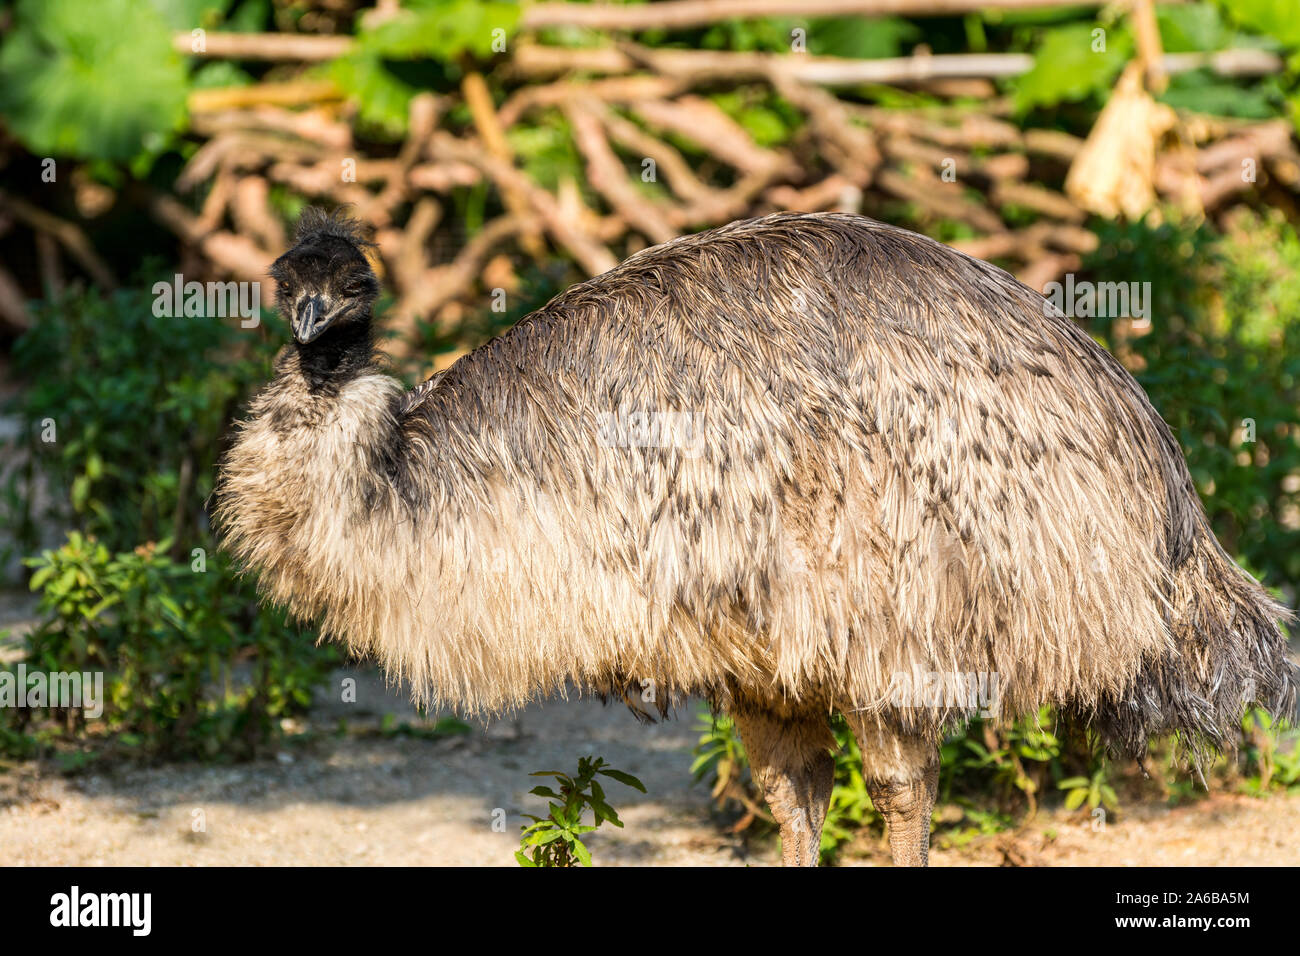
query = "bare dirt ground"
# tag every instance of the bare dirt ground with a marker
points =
(365, 798)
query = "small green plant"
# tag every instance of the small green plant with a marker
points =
(556, 839)
(1094, 790)
(720, 759)
(1271, 754)
(1010, 760)
(850, 810)
(391, 728)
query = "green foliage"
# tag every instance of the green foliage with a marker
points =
(861, 37)
(1271, 754)
(137, 406)
(1093, 790)
(719, 753)
(764, 116)
(556, 839)
(1222, 357)
(850, 810)
(867, 38)
(99, 81)
(1068, 66)
(1192, 27)
(1003, 759)
(1008, 761)
(442, 727)
(379, 75)
(1275, 18)
(548, 151)
(193, 667)
(1276, 26)
(1201, 92)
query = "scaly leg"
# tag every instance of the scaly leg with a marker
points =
(902, 775)
(789, 756)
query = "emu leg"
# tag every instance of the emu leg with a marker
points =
(790, 759)
(902, 775)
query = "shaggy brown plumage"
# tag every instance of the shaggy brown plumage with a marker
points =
(890, 461)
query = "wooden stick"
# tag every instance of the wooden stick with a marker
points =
(479, 99)
(696, 65)
(315, 125)
(681, 178)
(263, 94)
(717, 133)
(944, 200)
(1000, 166)
(301, 47)
(1038, 198)
(442, 284)
(1148, 45)
(836, 191)
(444, 177)
(237, 255)
(672, 14)
(410, 260)
(971, 130)
(1027, 243)
(250, 207)
(617, 89)
(850, 148)
(722, 206)
(1054, 143)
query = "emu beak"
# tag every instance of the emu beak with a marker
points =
(309, 321)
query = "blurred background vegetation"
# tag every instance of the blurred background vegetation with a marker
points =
(503, 151)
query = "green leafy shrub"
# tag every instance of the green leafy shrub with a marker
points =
(1221, 363)
(1010, 763)
(123, 416)
(1270, 754)
(850, 810)
(556, 839)
(123, 413)
(192, 665)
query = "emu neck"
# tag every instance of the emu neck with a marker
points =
(337, 357)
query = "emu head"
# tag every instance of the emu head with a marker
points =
(324, 281)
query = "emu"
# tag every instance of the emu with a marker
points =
(904, 464)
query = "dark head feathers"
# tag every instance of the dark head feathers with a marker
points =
(316, 223)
